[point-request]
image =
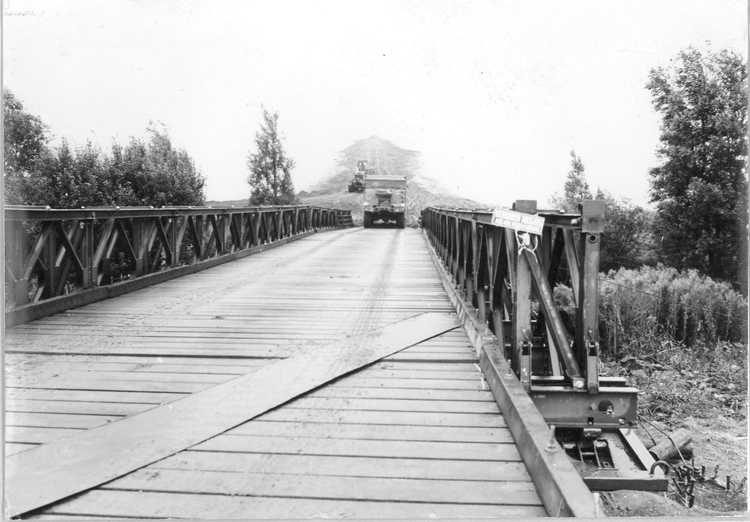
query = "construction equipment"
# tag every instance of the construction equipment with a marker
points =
(358, 180)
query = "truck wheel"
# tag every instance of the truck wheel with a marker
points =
(401, 221)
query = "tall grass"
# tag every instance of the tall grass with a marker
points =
(640, 307)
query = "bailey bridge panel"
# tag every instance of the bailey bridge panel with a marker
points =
(56, 259)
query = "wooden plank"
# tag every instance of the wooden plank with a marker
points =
(125, 385)
(442, 384)
(62, 468)
(362, 404)
(345, 392)
(387, 417)
(417, 368)
(330, 403)
(259, 351)
(76, 516)
(159, 339)
(339, 488)
(373, 432)
(67, 324)
(129, 360)
(470, 374)
(147, 367)
(90, 395)
(11, 448)
(433, 357)
(133, 503)
(212, 378)
(500, 452)
(58, 420)
(346, 467)
(27, 435)
(77, 407)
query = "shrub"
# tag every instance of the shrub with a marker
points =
(638, 307)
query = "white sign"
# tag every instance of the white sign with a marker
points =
(518, 221)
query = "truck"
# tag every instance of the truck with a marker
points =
(384, 200)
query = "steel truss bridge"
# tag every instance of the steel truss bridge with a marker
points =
(174, 362)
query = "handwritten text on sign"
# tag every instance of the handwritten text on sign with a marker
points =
(518, 221)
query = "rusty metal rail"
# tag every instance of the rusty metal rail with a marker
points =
(60, 258)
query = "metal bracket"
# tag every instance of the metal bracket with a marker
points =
(592, 364)
(524, 369)
(612, 407)
(621, 469)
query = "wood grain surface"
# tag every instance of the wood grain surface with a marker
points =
(377, 438)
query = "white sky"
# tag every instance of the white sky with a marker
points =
(493, 93)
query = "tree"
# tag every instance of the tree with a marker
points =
(270, 169)
(118, 187)
(139, 174)
(25, 143)
(700, 187)
(171, 177)
(626, 241)
(576, 188)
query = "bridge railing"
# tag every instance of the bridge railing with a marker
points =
(54, 255)
(509, 276)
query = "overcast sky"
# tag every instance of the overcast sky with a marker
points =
(493, 93)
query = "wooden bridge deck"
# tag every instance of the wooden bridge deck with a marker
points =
(415, 435)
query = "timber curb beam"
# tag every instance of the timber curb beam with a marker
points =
(56, 259)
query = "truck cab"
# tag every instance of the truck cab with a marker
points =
(384, 200)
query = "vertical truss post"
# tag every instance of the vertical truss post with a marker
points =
(139, 238)
(522, 337)
(226, 235)
(587, 338)
(15, 252)
(173, 246)
(466, 276)
(475, 285)
(183, 221)
(455, 247)
(496, 283)
(257, 217)
(50, 260)
(573, 262)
